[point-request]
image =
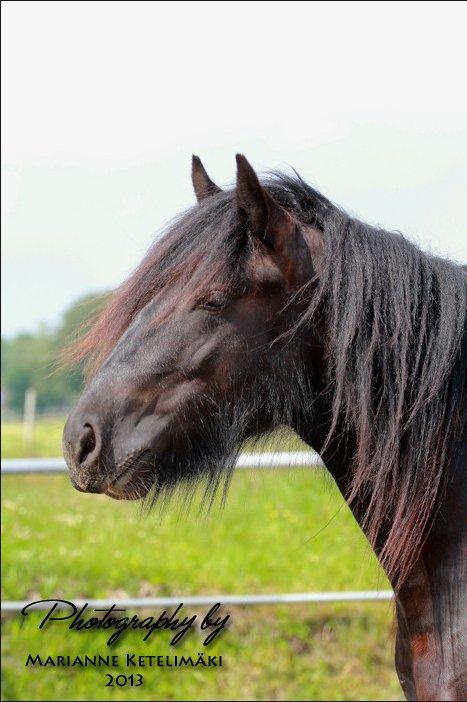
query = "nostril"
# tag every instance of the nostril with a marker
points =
(87, 443)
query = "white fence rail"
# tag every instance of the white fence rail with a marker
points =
(281, 459)
(202, 600)
(285, 459)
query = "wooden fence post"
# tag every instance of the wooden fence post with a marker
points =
(29, 416)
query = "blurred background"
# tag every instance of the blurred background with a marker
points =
(103, 105)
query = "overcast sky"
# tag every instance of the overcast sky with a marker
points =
(104, 103)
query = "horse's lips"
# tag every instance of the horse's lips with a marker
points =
(123, 479)
(134, 482)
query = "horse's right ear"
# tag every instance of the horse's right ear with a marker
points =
(202, 184)
(267, 219)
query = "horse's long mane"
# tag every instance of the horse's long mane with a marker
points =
(394, 326)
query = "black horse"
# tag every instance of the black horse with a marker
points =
(267, 305)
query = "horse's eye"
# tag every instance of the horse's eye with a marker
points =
(215, 302)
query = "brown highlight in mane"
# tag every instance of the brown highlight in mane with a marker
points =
(395, 343)
(197, 249)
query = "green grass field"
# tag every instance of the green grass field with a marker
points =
(269, 537)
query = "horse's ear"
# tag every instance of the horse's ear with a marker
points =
(202, 184)
(266, 219)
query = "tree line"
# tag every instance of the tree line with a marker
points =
(32, 360)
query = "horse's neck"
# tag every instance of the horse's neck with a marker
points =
(432, 602)
(314, 430)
